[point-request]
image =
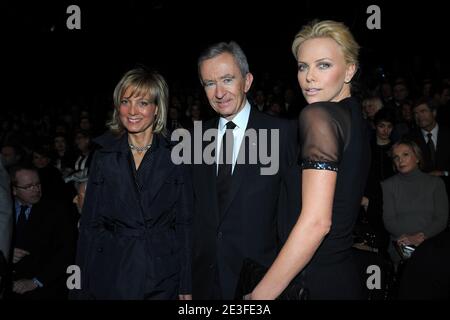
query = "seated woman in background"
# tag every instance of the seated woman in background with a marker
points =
(415, 205)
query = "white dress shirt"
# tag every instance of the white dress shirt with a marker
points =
(434, 133)
(241, 121)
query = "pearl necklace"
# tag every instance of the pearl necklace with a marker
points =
(139, 149)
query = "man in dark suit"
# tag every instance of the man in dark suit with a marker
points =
(433, 140)
(243, 208)
(43, 243)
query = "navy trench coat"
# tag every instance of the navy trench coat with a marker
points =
(134, 239)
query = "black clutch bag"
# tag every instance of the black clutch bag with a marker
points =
(252, 272)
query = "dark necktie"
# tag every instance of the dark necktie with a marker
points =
(225, 166)
(20, 227)
(431, 149)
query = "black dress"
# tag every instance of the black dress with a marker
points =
(380, 169)
(334, 137)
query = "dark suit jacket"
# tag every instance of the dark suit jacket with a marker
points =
(50, 238)
(442, 153)
(261, 210)
(442, 149)
(135, 238)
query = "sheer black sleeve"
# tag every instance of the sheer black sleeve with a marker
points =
(324, 129)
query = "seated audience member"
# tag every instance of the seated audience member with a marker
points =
(370, 107)
(415, 206)
(43, 243)
(52, 183)
(433, 140)
(63, 158)
(85, 149)
(11, 155)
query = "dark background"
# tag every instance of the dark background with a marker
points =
(44, 63)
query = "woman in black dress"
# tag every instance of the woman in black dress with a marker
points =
(334, 161)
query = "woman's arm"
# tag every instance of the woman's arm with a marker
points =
(312, 226)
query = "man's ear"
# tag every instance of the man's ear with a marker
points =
(248, 82)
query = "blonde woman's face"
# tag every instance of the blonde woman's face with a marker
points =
(137, 113)
(405, 159)
(323, 71)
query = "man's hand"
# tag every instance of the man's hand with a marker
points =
(24, 285)
(19, 254)
(185, 297)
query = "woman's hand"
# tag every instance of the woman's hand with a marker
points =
(411, 239)
(185, 297)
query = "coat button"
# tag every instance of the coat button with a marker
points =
(100, 250)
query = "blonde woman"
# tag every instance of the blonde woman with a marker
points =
(135, 224)
(334, 161)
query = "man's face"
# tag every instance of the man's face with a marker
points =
(425, 118)
(224, 84)
(400, 92)
(27, 187)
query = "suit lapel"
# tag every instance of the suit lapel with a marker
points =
(33, 223)
(205, 175)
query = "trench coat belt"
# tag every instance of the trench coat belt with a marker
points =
(118, 229)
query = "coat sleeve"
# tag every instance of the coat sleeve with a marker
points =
(184, 212)
(87, 216)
